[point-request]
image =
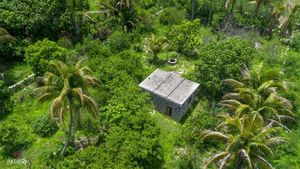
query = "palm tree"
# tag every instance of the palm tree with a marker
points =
(122, 4)
(259, 94)
(5, 36)
(248, 143)
(154, 45)
(277, 9)
(68, 85)
(288, 24)
(123, 10)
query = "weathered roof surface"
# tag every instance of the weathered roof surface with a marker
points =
(169, 85)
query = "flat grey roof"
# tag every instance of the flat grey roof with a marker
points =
(169, 85)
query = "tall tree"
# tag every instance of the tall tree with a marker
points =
(289, 23)
(154, 45)
(248, 143)
(259, 94)
(69, 86)
(123, 10)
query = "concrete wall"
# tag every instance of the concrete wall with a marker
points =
(178, 112)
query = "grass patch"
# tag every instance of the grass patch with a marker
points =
(170, 131)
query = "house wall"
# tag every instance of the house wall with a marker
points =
(187, 104)
(178, 112)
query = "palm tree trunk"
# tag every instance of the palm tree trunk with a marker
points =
(257, 8)
(271, 28)
(210, 12)
(193, 9)
(232, 6)
(70, 127)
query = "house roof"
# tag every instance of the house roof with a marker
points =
(169, 85)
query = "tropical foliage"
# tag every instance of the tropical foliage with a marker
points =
(68, 84)
(91, 112)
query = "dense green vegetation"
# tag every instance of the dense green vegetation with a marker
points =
(84, 108)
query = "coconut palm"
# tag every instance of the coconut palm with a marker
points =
(277, 8)
(5, 36)
(288, 24)
(68, 85)
(122, 4)
(248, 143)
(259, 94)
(155, 45)
(123, 10)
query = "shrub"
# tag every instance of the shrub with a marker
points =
(185, 38)
(41, 53)
(200, 120)
(146, 21)
(13, 51)
(93, 48)
(44, 127)
(132, 142)
(296, 41)
(222, 60)
(11, 139)
(118, 41)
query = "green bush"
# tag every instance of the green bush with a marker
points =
(41, 53)
(200, 120)
(287, 155)
(222, 60)
(13, 51)
(296, 41)
(44, 127)
(171, 16)
(93, 48)
(12, 139)
(43, 18)
(185, 38)
(132, 142)
(146, 21)
(118, 41)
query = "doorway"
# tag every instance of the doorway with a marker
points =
(169, 111)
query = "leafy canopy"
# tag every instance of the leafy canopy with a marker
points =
(222, 60)
(41, 53)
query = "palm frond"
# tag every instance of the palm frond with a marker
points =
(233, 96)
(78, 93)
(214, 158)
(90, 104)
(274, 141)
(78, 64)
(265, 162)
(246, 156)
(233, 83)
(57, 104)
(224, 161)
(45, 97)
(214, 135)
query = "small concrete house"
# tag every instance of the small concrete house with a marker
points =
(171, 94)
